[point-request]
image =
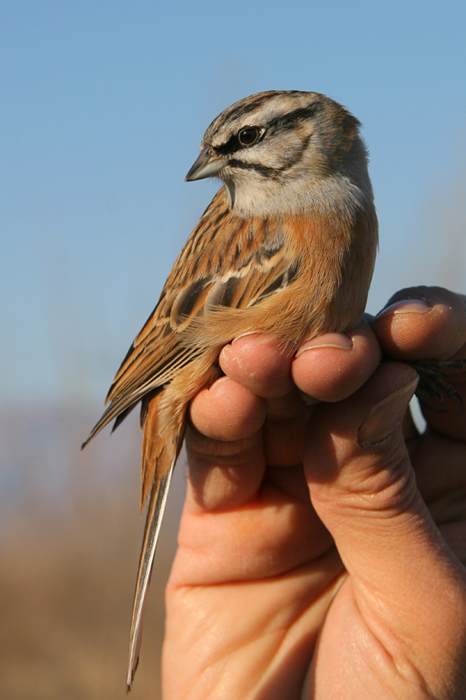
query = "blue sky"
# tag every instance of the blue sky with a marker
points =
(104, 105)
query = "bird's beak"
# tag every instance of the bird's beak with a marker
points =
(207, 165)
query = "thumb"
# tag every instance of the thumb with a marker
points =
(406, 583)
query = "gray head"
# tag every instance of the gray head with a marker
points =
(280, 152)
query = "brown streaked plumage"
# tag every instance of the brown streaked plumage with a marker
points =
(286, 248)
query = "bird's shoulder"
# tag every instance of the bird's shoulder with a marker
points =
(228, 261)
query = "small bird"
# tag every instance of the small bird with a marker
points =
(286, 248)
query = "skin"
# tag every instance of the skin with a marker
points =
(323, 557)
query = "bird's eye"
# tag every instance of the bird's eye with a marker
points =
(249, 135)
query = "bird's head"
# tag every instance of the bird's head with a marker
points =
(278, 151)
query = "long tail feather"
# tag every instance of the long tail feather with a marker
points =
(157, 502)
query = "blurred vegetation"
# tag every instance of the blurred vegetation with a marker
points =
(69, 545)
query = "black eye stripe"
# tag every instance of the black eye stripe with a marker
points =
(231, 146)
(281, 123)
(275, 172)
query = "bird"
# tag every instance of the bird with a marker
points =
(286, 248)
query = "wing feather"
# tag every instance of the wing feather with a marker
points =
(219, 267)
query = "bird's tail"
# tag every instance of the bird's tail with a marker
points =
(158, 461)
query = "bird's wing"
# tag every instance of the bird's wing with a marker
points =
(227, 262)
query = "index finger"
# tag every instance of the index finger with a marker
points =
(423, 323)
(429, 323)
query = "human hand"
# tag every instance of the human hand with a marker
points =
(309, 565)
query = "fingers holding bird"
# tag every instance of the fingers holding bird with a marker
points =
(423, 322)
(238, 422)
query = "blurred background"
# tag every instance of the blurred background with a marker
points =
(104, 105)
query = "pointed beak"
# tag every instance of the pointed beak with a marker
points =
(207, 165)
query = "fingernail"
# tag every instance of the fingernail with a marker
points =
(243, 335)
(406, 306)
(341, 341)
(220, 380)
(384, 416)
